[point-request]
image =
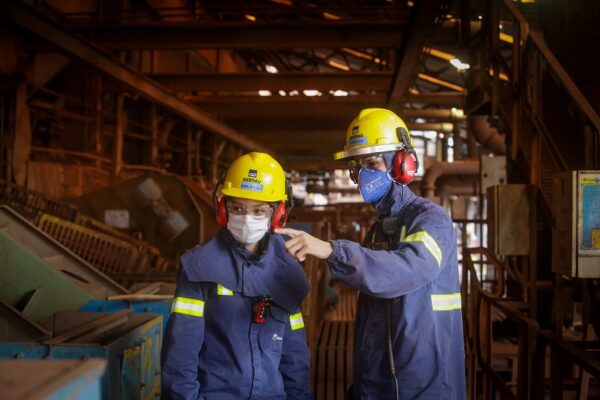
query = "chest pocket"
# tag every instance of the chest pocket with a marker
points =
(272, 332)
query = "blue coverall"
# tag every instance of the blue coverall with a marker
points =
(212, 348)
(420, 280)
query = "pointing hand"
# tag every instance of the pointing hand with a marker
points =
(303, 243)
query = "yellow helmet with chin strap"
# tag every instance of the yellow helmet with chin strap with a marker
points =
(374, 130)
(255, 176)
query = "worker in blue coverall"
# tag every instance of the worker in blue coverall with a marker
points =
(236, 331)
(408, 341)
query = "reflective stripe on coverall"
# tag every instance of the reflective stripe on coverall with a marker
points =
(212, 349)
(421, 278)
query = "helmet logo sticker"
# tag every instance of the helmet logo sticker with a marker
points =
(252, 183)
(356, 138)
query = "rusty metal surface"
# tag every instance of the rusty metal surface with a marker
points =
(31, 204)
(111, 255)
(106, 253)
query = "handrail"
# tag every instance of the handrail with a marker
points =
(481, 301)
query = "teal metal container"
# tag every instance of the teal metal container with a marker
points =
(131, 349)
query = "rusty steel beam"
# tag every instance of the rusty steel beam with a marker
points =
(297, 106)
(301, 106)
(339, 123)
(239, 82)
(421, 28)
(24, 18)
(317, 34)
(445, 98)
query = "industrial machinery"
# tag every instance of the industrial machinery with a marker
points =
(171, 213)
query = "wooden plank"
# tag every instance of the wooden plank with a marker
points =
(321, 367)
(350, 355)
(340, 388)
(331, 361)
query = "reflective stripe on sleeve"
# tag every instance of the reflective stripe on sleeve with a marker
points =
(296, 321)
(184, 305)
(429, 243)
(223, 291)
(446, 302)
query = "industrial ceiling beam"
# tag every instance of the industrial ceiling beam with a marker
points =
(25, 18)
(339, 123)
(308, 107)
(421, 28)
(276, 106)
(239, 82)
(316, 34)
(445, 98)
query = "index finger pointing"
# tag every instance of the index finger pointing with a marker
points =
(288, 231)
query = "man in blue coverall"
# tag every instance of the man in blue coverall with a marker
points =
(236, 331)
(408, 342)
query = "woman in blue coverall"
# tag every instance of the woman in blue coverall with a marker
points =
(236, 331)
(408, 341)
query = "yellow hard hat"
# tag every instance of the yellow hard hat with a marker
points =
(255, 176)
(374, 130)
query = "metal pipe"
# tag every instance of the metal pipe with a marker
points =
(441, 168)
(462, 184)
(487, 135)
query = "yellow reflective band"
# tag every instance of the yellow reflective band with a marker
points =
(184, 305)
(223, 291)
(446, 302)
(429, 243)
(296, 321)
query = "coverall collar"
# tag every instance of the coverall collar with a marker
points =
(394, 200)
(272, 271)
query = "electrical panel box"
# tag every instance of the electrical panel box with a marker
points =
(508, 219)
(576, 230)
(493, 171)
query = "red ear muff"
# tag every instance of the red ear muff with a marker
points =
(404, 167)
(279, 216)
(221, 212)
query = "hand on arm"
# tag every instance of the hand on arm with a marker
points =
(302, 244)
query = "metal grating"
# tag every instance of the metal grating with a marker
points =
(109, 255)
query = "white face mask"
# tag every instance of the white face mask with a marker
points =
(248, 229)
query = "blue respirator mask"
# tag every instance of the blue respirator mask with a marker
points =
(373, 184)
